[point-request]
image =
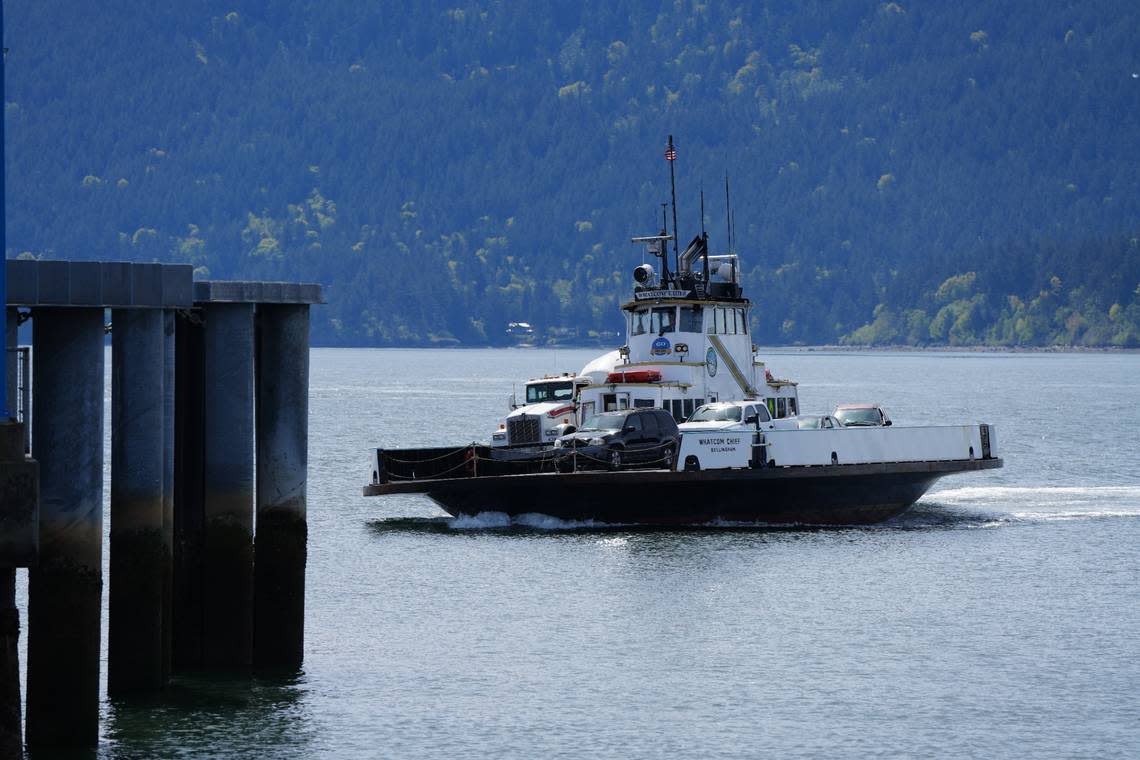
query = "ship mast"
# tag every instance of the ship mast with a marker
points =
(671, 157)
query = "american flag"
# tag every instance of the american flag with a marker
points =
(670, 152)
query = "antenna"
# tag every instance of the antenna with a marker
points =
(702, 209)
(671, 157)
(727, 213)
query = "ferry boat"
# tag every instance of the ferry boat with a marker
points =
(688, 344)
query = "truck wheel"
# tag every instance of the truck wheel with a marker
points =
(615, 459)
(667, 456)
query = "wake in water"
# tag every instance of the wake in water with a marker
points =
(490, 522)
(1033, 504)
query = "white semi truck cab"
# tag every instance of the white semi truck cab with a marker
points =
(548, 409)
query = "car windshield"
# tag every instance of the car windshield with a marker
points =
(537, 393)
(808, 423)
(716, 414)
(608, 422)
(858, 417)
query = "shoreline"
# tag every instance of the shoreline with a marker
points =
(824, 348)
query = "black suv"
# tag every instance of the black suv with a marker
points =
(631, 437)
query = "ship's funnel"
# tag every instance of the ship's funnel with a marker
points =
(694, 251)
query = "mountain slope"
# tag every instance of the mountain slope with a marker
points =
(446, 168)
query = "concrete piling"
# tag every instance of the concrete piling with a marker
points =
(282, 466)
(64, 589)
(186, 596)
(228, 449)
(168, 358)
(139, 556)
(185, 364)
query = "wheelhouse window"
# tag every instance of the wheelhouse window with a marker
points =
(781, 407)
(725, 321)
(692, 318)
(640, 324)
(664, 320)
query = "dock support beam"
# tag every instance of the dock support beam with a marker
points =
(282, 466)
(189, 483)
(168, 355)
(227, 560)
(64, 590)
(139, 555)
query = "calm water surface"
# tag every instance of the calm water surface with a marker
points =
(998, 618)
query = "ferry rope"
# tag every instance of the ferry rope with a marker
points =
(432, 476)
(471, 458)
(668, 460)
(390, 458)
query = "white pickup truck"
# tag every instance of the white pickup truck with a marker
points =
(722, 434)
(735, 415)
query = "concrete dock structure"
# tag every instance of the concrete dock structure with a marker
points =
(227, 451)
(204, 374)
(139, 555)
(282, 464)
(169, 345)
(65, 588)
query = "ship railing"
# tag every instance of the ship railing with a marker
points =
(477, 460)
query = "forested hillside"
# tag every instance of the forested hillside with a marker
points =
(902, 172)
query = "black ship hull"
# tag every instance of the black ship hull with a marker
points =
(826, 495)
